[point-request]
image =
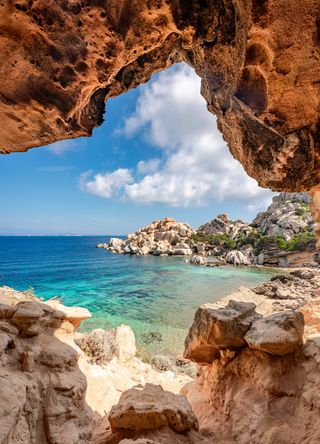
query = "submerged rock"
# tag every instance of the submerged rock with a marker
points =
(153, 336)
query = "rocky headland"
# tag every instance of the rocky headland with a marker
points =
(161, 237)
(281, 236)
(257, 352)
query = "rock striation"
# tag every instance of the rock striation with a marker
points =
(161, 237)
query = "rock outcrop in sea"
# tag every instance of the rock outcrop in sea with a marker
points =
(161, 237)
(281, 236)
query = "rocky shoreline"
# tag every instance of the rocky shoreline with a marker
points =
(281, 236)
(261, 344)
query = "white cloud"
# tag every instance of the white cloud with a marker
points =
(197, 167)
(107, 184)
(148, 166)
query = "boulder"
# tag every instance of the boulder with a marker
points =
(200, 247)
(161, 237)
(126, 343)
(222, 224)
(237, 258)
(162, 248)
(182, 249)
(288, 214)
(26, 318)
(216, 329)
(198, 260)
(151, 407)
(278, 334)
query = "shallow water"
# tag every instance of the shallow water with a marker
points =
(151, 294)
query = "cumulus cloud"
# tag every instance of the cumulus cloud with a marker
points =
(148, 166)
(106, 185)
(197, 167)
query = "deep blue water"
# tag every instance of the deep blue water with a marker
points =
(151, 294)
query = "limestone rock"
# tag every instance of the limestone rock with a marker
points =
(150, 407)
(279, 334)
(217, 329)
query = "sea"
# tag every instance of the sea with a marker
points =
(156, 296)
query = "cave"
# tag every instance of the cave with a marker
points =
(258, 61)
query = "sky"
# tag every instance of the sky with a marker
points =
(158, 153)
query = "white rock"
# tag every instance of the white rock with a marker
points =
(126, 343)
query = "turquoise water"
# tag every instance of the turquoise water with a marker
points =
(157, 295)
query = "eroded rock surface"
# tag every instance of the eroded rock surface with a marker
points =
(278, 334)
(258, 60)
(288, 214)
(265, 391)
(216, 329)
(42, 390)
(151, 407)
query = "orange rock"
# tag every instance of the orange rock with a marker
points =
(258, 60)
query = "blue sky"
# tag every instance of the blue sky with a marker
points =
(157, 154)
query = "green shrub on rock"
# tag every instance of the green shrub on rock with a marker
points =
(302, 241)
(303, 210)
(214, 239)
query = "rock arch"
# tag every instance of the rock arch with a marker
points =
(258, 60)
